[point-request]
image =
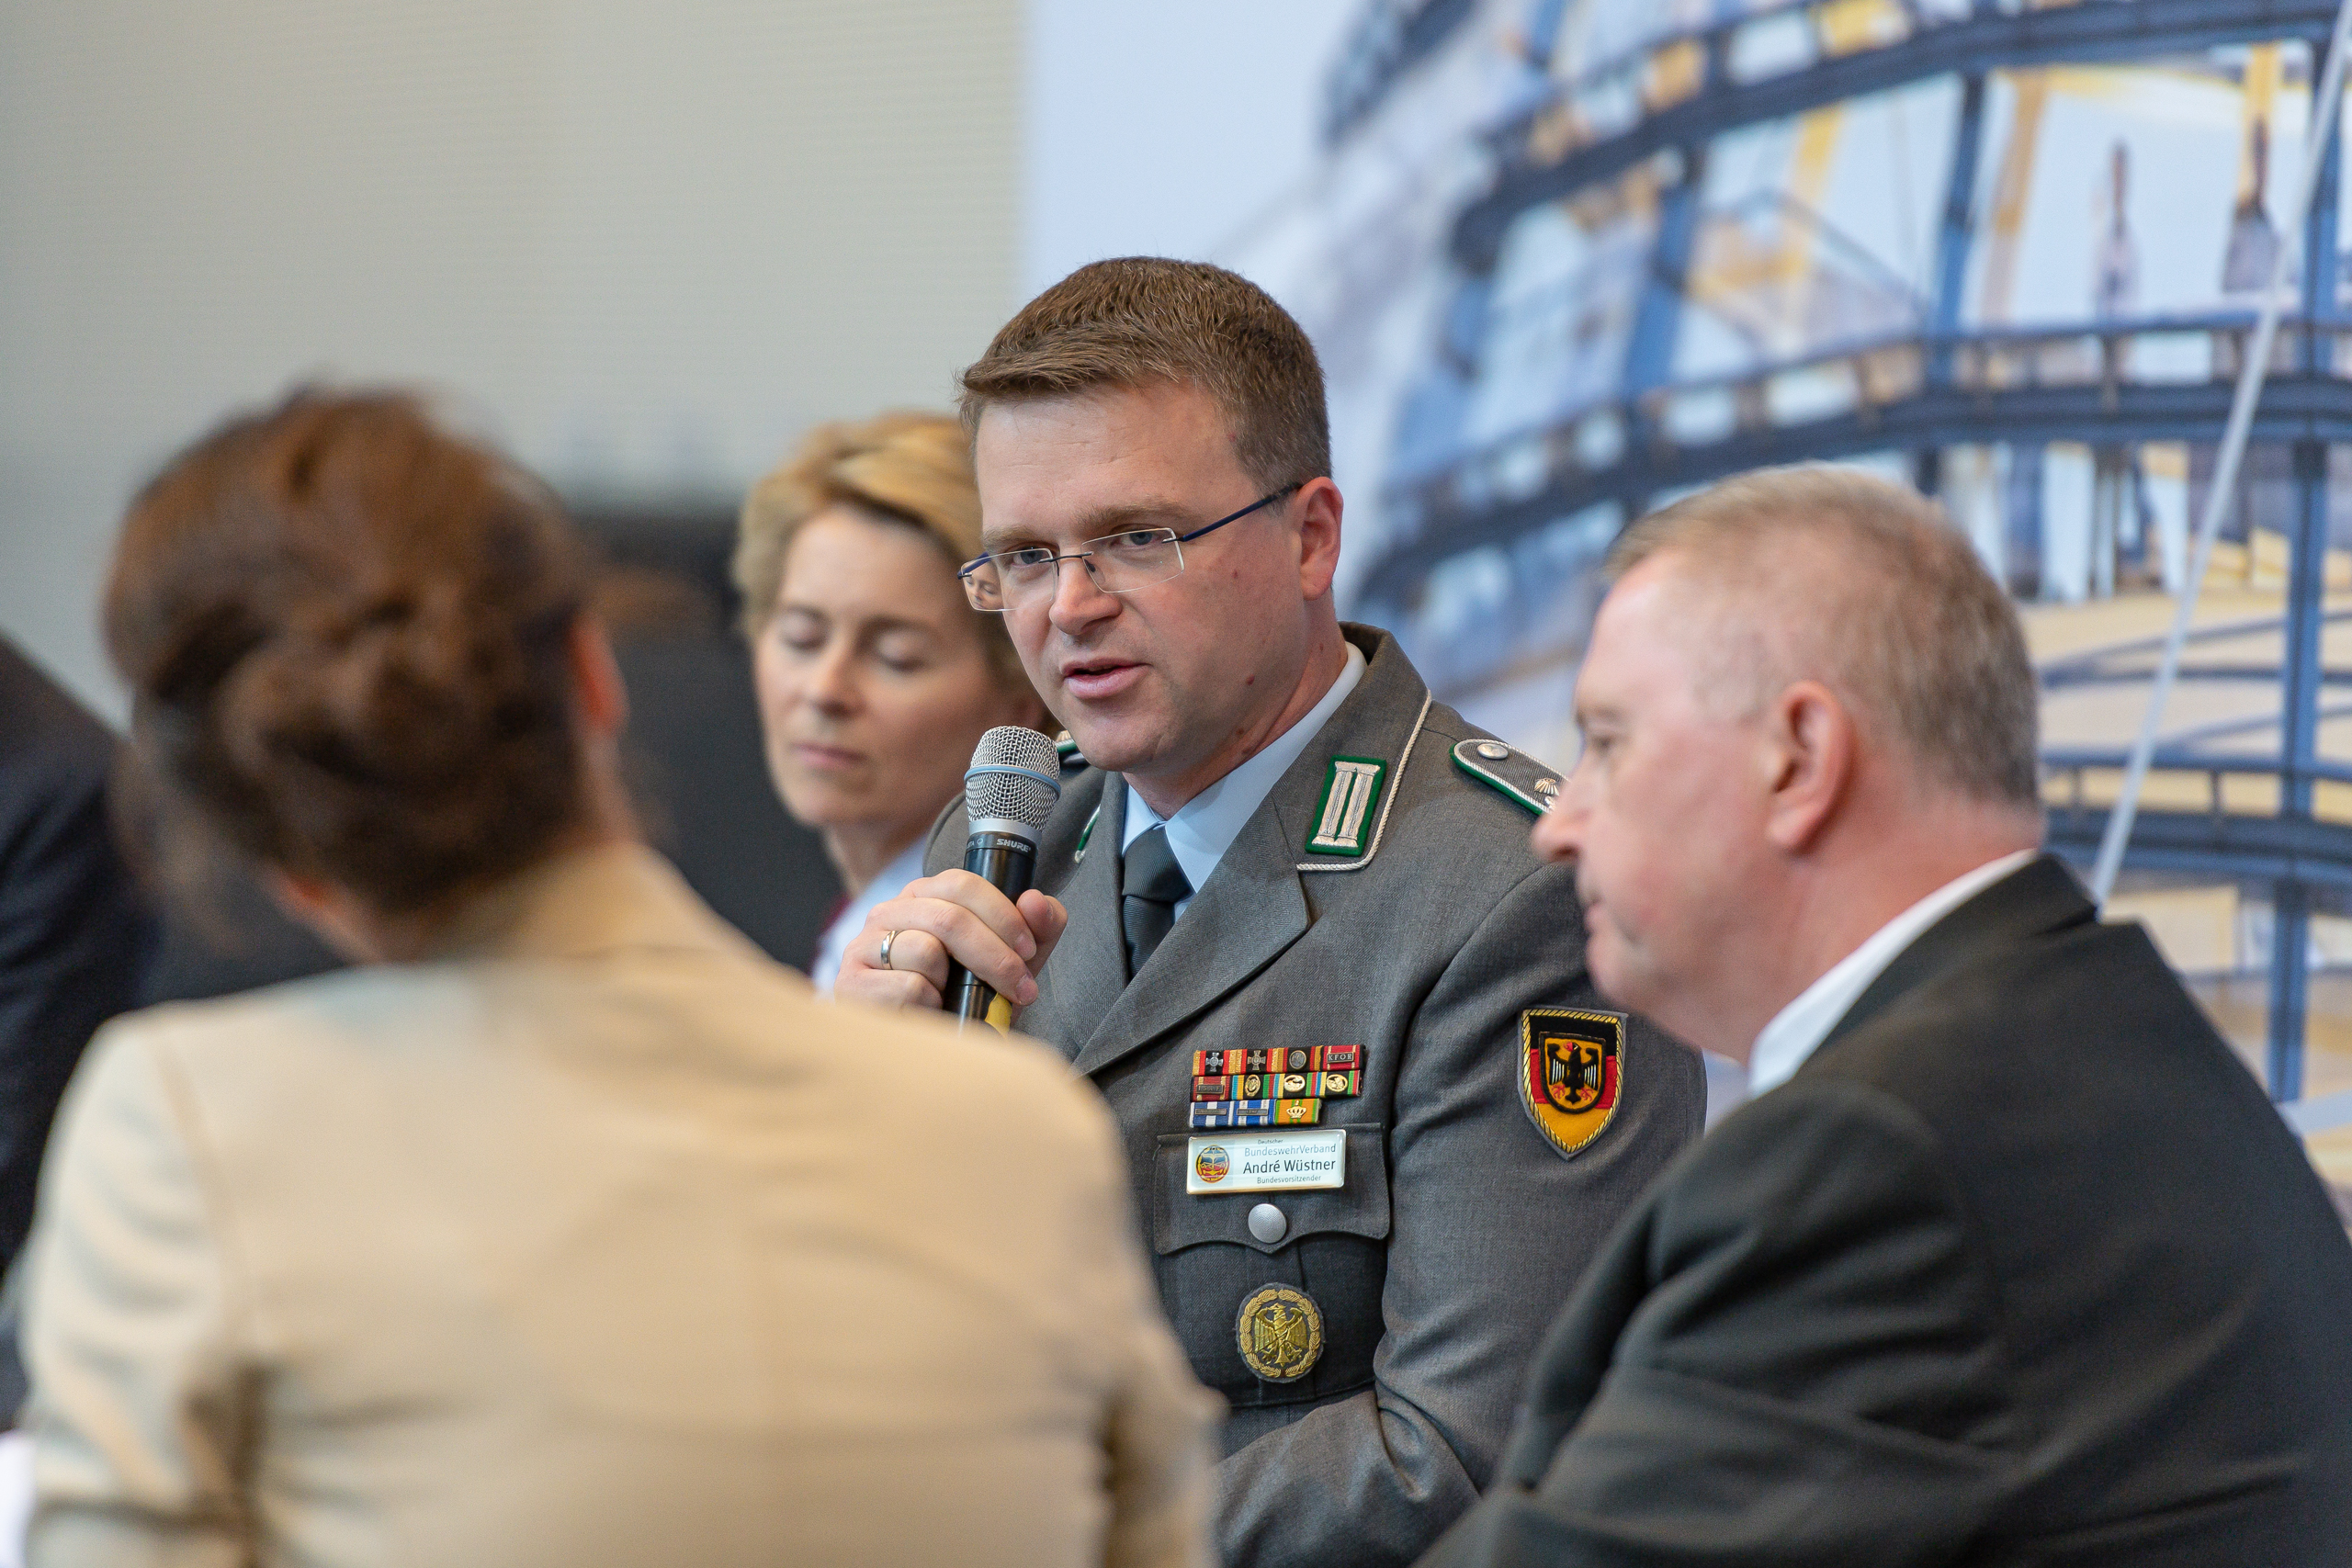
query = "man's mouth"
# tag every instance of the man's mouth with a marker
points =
(1092, 680)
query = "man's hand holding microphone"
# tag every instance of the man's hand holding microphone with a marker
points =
(959, 939)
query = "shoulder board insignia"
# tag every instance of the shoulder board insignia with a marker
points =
(1065, 747)
(1511, 773)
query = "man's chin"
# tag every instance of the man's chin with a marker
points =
(1115, 743)
(1618, 981)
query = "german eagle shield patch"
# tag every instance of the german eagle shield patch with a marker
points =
(1571, 1071)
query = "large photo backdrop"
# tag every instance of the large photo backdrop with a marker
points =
(1569, 260)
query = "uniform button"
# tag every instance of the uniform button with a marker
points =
(1493, 751)
(1269, 1223)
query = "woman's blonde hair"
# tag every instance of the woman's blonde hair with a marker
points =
(902, 467)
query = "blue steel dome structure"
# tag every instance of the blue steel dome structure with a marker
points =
(1620, 320)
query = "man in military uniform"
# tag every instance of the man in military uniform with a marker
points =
(1286, 918)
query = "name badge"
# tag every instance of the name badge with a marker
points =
(1266, 1162)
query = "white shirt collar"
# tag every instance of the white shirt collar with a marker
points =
(1205, 826)
(1798, 1029)
(886, 885)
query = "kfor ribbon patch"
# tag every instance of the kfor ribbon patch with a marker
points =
(1571, 1073)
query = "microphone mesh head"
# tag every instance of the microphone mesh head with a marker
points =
(990, 791)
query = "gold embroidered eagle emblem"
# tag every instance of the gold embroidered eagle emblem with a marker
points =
(1279, 1333)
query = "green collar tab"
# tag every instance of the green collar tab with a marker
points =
(1344, 818)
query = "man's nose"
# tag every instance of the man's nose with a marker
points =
(1558, 834)
(1078, 601)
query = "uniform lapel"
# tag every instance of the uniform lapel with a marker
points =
(1089, 967)
(1255, 904)
(1250, 911)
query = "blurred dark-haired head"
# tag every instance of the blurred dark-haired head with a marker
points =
(349, 638)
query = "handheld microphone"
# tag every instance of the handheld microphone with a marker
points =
(1014, 780)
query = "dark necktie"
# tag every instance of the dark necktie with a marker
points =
(1155, 885)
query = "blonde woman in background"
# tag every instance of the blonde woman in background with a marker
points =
(876, 675)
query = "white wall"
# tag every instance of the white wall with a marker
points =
(1156, 129)
(649, 244)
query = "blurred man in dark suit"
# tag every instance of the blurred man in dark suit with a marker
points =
(73, 933)
(2010, 1262)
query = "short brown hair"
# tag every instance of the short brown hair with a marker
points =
(902, 466)
(345, 631)
(1142, 320)
(1887, 605)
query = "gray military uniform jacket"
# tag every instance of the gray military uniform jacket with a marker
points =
(1425, 932)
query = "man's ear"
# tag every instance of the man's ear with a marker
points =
(597, 685)
(1810, 745)
(1318, 508)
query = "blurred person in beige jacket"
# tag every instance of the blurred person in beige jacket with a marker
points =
(566, 1229)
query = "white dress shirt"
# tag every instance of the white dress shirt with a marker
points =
(1798, 1029)
(1206, 825)
(833, 946)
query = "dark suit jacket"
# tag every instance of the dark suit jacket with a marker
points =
(72, 929)
(1437, 1266)
(2020, 1267)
